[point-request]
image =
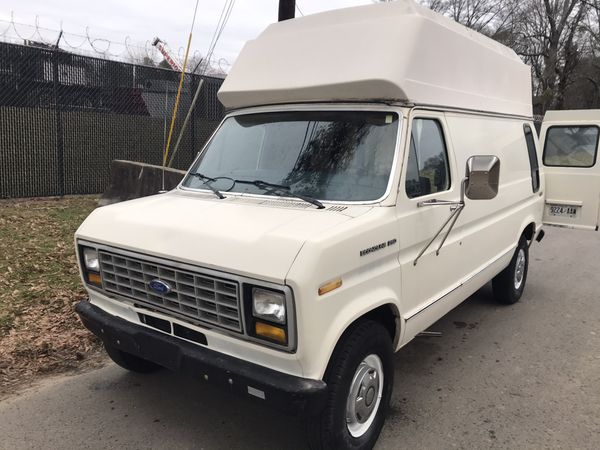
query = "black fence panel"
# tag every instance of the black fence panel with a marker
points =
(65, 117)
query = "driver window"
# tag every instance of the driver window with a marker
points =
(427, 171)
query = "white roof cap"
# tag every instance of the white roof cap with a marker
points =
(392, 52)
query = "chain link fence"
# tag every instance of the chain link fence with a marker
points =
(65, 117)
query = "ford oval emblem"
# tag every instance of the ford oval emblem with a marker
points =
(159, 286)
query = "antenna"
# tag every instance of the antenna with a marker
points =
(176, 106)
(162, 191)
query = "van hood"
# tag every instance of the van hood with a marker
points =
(259, 239)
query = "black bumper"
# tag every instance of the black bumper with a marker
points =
(286, 392)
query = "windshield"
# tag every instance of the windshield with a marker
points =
(326, 155)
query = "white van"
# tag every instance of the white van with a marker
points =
(378, 165)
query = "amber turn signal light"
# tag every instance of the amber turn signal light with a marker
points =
(328, 287)
(270, 332)
(94, 278)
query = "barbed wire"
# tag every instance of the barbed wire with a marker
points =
(88, 45)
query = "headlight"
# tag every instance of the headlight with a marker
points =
(90, 259)
(268, 305)
(90, 266)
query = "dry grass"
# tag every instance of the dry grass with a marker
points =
(39, 286)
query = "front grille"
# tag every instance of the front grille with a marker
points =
(195, 295)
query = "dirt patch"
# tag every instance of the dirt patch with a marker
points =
(40, 334)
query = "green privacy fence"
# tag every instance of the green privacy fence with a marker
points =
(65, 117)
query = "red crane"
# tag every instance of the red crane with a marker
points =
(166, 52)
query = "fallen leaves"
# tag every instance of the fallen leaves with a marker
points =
(39, 286)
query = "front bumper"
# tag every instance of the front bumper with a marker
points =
(286, 392)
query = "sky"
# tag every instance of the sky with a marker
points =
(139, 21)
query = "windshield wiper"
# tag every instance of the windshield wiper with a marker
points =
(206, 182)
(282, 191)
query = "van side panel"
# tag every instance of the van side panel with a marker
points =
(486, 233)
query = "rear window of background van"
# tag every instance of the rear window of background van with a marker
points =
(571, 146)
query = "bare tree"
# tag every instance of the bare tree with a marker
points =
(550, 35)
(494, 18)
(591, 72)
(550, 39)
(592, 27)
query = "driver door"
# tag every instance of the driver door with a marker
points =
(429, 173)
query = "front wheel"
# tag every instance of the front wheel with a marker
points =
(360, 378)
(508, 285)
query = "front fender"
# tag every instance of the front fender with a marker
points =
(355, 311)
(323, 319)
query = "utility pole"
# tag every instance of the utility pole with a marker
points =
(287, 9)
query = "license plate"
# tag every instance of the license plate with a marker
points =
(563, 211)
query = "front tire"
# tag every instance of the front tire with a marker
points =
(360, 377)
(508, 285)
(130, 362)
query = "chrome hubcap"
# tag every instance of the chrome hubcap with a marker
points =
(364, 396)
(520, 268)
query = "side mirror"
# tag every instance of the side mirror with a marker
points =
(483, 177)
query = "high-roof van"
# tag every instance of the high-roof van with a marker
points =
(377, 166)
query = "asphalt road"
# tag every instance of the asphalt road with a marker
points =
(523, 376)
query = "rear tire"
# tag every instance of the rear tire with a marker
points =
(130, 362)
(360, 378)
(509, 284)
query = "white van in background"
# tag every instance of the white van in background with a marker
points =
(378, 165)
